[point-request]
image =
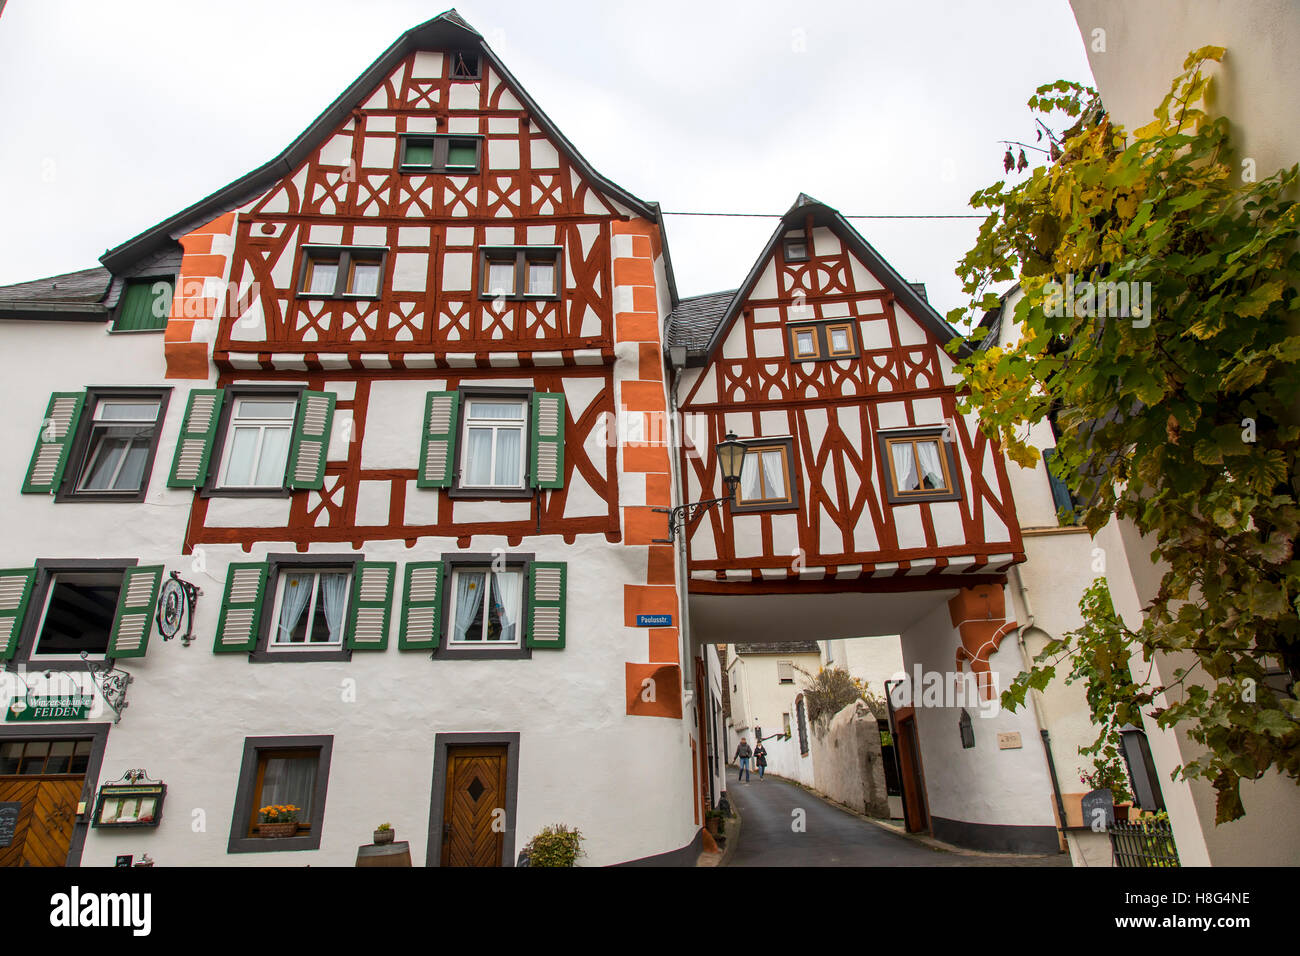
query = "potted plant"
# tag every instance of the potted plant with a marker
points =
(384, 834)
(1109, 773)
(715, 821)
(556, 845)
(278, 821)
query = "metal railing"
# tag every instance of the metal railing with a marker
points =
(1146, 844)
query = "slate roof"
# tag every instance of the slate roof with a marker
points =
(71, 294)
(692, 323)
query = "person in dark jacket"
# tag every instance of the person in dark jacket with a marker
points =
(760, 759)
(743, 753)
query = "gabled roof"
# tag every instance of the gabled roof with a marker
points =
(73, 295)
(905, 293)
(447, 32)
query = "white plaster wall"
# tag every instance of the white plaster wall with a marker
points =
(765, 697)
(583, 761)
(982, 785)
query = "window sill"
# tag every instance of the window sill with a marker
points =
(264, 656)
(460, 652)
(338, 296)
(491, 494)
(515, 297)
(123, 497)
(246, 493)
(897, 499)
(759, 509)
(307, 841)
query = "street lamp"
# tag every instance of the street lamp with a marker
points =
(731, 457)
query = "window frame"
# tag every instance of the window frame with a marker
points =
(212, 487)
(788, 241)
(81, 439)
(821, 329)
(521, 256)
(784, 664)
(441, 143)
(46, 569)
(465, 77)
(265, 650)
(884, 439)
(311, 253)
(460, 561)
(791, 503)
(498, 393)
(248, 794)
(169, 278)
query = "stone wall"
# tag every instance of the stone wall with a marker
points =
(848, 765)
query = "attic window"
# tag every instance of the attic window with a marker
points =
(796, 249)
(464, 66)
(440, 153)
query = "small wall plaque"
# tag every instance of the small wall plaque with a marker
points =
(1009, 741)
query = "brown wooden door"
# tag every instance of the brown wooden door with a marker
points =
(45, 822)
(915, 812)
(476, 791)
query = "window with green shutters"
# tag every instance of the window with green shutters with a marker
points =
(421, 606)
(53, 443)
(372, 600)
(547, 588)
(145, 305)
(473, 442)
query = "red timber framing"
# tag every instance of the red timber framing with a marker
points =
(845, 533)
(330, 514)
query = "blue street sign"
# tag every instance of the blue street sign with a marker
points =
(654, 620)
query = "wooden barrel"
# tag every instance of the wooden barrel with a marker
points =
(389, 854)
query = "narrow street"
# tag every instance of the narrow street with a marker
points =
(831, 836)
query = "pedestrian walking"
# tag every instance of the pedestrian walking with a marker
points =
(743, 753)
(760, 759)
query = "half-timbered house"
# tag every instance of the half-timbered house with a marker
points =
(867, 505)
(397, 365)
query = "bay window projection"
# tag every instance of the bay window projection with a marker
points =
(257, 443)
(494, 443)
(310, 609)
(487, 607)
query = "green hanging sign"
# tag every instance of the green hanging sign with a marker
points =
(73, 707)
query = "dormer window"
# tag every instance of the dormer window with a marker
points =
(518, 273)
(796, 249)
(820, 341)
(441, 153)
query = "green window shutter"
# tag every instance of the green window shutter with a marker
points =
(241, 609)
(145, 305)
(198, 431)
(15, 592)
(372, 599)
(546, 450)
(546, 587)
(135, 608)
(438, 451)
(422, 606)
(311, 440)
(45, 473)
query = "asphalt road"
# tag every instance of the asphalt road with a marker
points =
(831, 836)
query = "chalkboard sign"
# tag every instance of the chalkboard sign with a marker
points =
(1094, 801)
(8, 822)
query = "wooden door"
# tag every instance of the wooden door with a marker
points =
(916, 814)
(43, 834)
(475, 800)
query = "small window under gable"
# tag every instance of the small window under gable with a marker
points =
(823, 341)
(441, 153)
(795, 248)
(145, 305)
(465, 66)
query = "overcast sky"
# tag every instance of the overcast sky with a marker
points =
(115, 115)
